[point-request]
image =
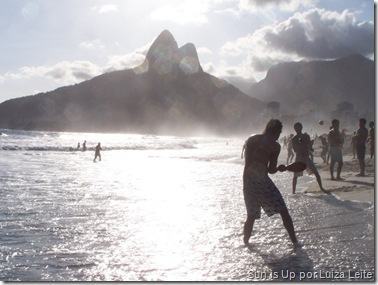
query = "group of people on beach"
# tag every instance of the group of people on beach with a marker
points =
(97, 150)
(261, 154)
(332, 145)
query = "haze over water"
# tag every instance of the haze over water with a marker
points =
(158, 208)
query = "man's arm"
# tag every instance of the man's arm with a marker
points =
(243, 150)
(272, 168)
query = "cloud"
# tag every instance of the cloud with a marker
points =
(204, 51)
(287, 5)
(187, 12)
(30, 10)
(104, 9)
(64, 71)
(92, 45)
(119, 62)
(70, 72)
(208, 67)
(314, 34)
(236, 75)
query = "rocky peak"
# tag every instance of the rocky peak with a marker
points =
(189, 61)
(165, 57)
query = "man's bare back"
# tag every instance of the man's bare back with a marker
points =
(261, 154)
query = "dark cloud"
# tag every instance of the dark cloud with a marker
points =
(263, 63)
(81, 75)
(56, 73)
(322, 34)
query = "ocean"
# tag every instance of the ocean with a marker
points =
(161, 208)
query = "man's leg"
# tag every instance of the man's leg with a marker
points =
(288, 223)
(294, 183)
(331, 167)
(248, 226)
(361, 160)
(318, 179)
(339, 167)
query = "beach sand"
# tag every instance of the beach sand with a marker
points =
(352, 188)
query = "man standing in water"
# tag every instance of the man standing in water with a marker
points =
(361, 137)
(97, 152)
(302, 147)
(261, 154)
(336, 141)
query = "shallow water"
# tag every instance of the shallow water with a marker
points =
(160, 208)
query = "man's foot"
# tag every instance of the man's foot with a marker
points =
(332, 178)
(340, 179)
(325, 191)
(297, 245)
(246, 240)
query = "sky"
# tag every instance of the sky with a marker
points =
(47, 44)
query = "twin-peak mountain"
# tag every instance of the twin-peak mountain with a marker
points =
(169, 93)
(164, 56)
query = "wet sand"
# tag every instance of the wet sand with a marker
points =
(352, 187)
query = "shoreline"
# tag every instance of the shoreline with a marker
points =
(351, 188)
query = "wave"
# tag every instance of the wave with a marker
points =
(127, 147)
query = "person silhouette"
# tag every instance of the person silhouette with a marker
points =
(97, 152)
(336, 141)
(84, 145)
(261, 154)
(361, 138)
(302, 147)
(371, 139)
(290, 153)
(324, 152)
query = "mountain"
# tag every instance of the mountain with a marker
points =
(320, 86)
(169, 93)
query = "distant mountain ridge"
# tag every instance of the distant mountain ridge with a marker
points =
(168, 93)
(320, 85)
(171, 94)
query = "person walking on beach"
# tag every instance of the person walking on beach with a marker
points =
(97, 152)
(361, 138)
(371, 139)
(290, 153)
(285, 142)
(78, 146)
(261, 154)
(353, 143)
(302, 148)
(336, 141)
(84, 145)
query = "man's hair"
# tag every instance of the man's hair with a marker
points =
(298, 124)
(371, 124)
(363, 121)
(274, 126)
